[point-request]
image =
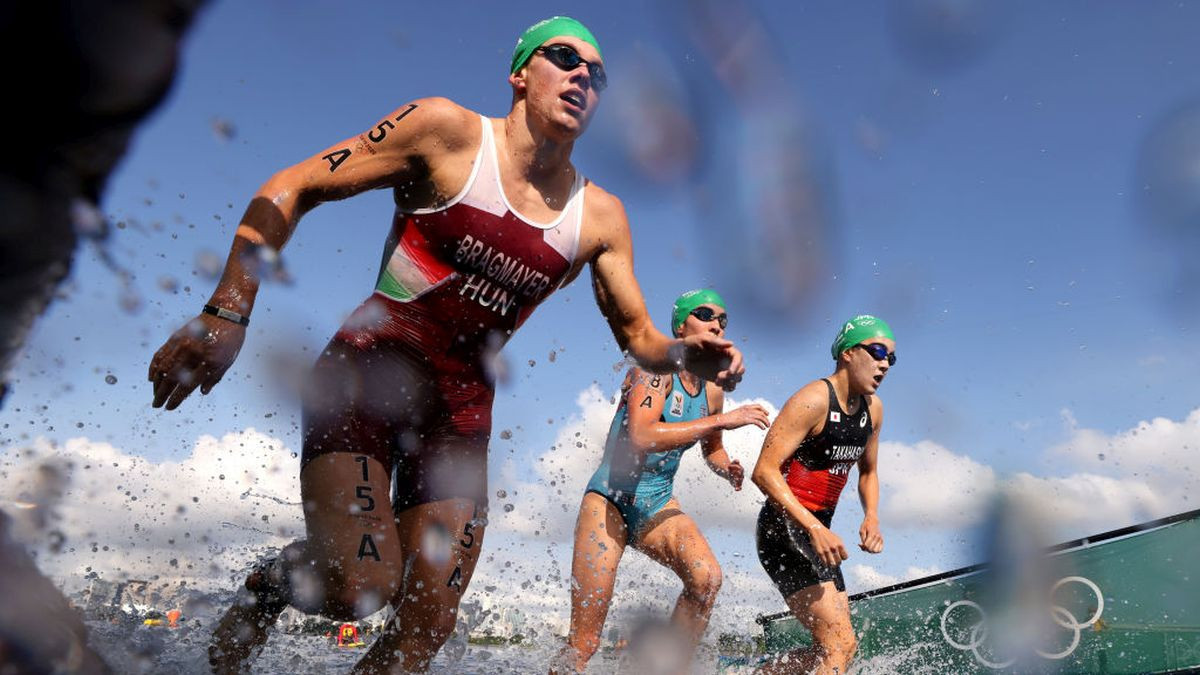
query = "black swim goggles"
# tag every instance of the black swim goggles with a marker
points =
(707, 314)
(566, 58)
(878, 352)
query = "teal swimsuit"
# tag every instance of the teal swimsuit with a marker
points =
(639, 486)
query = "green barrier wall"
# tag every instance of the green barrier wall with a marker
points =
(1148, 619)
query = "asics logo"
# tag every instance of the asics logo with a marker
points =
(978, 632)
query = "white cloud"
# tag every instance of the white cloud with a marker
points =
(145, 524)
(1108, 481)
(1093, 502)
(550, 502)
(864, 577)
(1144, 472)
(1158, 446)
(927, 485)
(545, 508)
(179, 519)
(711, 500)
(89, 505)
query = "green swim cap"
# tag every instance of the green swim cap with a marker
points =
(537, 35)
(685, 303)
(859, 329)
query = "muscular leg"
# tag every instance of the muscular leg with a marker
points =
(347, 568)
(599, 543)
(825, 611)
(672, 539)
(439, 547)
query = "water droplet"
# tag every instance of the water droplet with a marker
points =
(223, 129)
(208, 265)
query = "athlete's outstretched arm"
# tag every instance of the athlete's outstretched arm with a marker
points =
(799, 416)
(870, 538)
(713, 445)
(645, 399)
(400, 149)
(621, 301)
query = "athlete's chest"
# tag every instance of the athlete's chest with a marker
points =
(842, 440)
(843, 425)
(681, 406)
(500, 249)
(477, 251)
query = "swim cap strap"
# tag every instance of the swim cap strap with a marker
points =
(537, 35)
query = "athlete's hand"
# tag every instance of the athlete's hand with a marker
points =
(714, 359)
(744, 416)
(735, 474)
(196, 355)
(871, 540)
(829, 546)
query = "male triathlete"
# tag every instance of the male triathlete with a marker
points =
(491, 218)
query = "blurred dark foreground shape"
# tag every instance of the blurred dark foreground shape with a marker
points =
(80, 75)
(39, 631)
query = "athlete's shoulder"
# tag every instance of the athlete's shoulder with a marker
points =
(715, 396)
(600, 203)
(442, 118)
(875, 405)
(603, 208)
(605, 226)
(817, 390)
(441, 108)
(811, 399)
(658, 383)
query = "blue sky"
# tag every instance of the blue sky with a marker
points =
(983, 197)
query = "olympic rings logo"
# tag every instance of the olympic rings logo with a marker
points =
(1060, 616)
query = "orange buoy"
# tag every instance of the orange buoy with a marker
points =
(348, 636)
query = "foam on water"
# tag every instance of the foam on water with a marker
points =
(132, 648)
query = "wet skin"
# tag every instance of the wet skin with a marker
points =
(350, 564)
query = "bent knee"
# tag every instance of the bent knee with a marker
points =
(706, 582)
(841, 649)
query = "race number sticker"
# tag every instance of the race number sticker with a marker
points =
(677, 403)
